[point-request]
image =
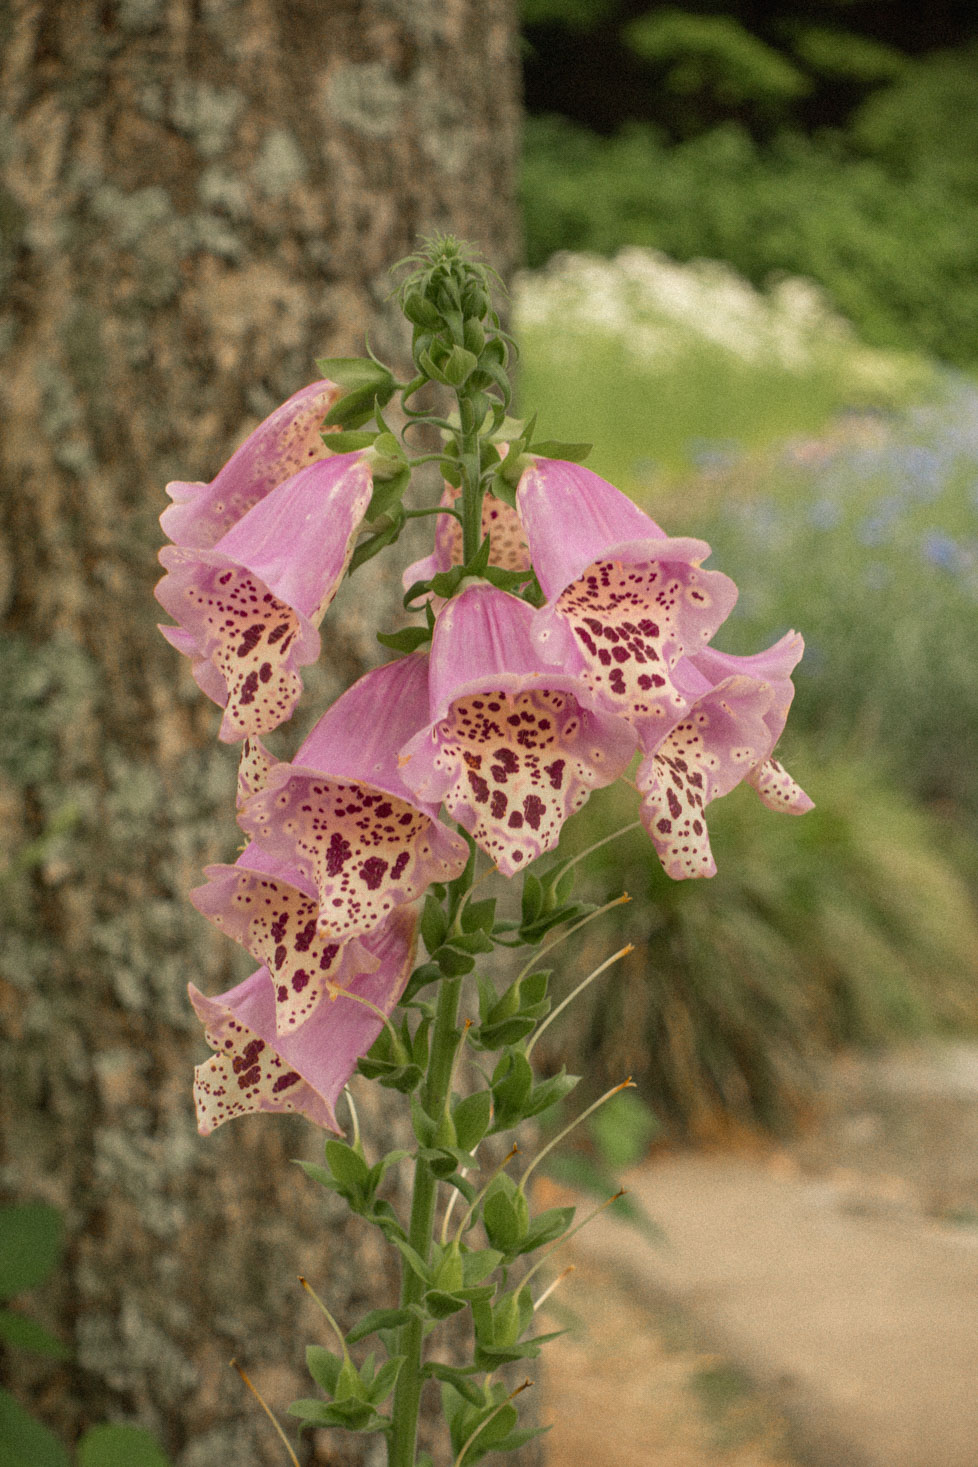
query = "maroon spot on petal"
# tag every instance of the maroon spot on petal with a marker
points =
(250, 640)
(474, 761)
(249, 688)
(304, 940)
(555, 773)
(604, 657)
(265, 672)
(515, 820)
(697, 827)
(300, 979)
(285, 1082)
(248, 1056)
(499, 803)
(664, 826)
(675, 808)
(279, 958)
(282, 993)
(479, 788)
(507, 759)
(382, 811)
(617, 681)
(327, 956)
(620, 654)
(249, 1078)
(534, 809)
(223, 580)
(405, 819)
(277, 633)
(399, 865)
(373, 871)
(337, 854)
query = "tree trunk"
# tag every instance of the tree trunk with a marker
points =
(197, 198)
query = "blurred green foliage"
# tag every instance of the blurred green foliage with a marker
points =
(777, 143)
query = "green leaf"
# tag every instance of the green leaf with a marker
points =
(324, 1367)
(27, 1334)
(434, 924)
(353, 372)
(479, 1263)
(471, 1117)
(347, 1166)
(479, 916)
(30, 1246)
(352, 410)
(317, 1174)
(24, 1442)
(349, 441)
(385, 1379)
(454, 963)
(550, 1092)
(440, 1304)
(458, 366)
(349, 1415)
(458, 1378)
(413, 1260)
(532, 905)
(409, 639)
(376, 1320)
(120, 1446)
(502, 1222)
(546, 1227)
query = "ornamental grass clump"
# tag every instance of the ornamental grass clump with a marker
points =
(559, 636)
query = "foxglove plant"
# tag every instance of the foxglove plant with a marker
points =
(560, 634)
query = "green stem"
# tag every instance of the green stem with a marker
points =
(471, 467)
(436, 1095)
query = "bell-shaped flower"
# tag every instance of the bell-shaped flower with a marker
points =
(341, 814)
(508, 547)
(288, 440)
(248, 609)
(737, 710)
(513, 747)
(256, 1069)
(624, 601)
(271, 909)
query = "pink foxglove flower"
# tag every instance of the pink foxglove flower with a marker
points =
(512, 748)
(249, 608)
(271, 909)
(256, 1069)
(342, 815)
(507, 539)
(288, 440)
(624, 601)
(737, 711)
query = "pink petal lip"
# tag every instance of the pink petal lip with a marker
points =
(256, 1069)
(287, 441)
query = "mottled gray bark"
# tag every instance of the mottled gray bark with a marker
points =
(197, 197)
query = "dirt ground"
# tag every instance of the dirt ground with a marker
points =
(625, 1386)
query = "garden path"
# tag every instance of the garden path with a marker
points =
(815, 1303)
